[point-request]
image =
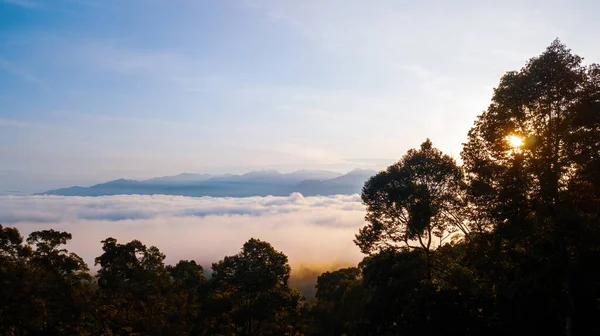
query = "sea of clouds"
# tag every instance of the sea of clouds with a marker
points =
(316, 233)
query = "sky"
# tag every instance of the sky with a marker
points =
(96, 90)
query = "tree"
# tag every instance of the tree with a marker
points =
(340, 300)
(59, 280)
(529, 194)
(538, 104)
(187, 295)
(187, 274)
(14, 280)
(397, 301)
(11, 245)
(412, 202)
(49, 256)
(133, 282)
(42, 285)
(252, 293)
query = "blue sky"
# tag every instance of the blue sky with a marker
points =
(93, 90)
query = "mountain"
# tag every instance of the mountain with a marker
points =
(273, 176)
(350, 183)
(305, 174)
(116, 187)
(254, 183)
(181, 178)
(257, 176)
(354, 176)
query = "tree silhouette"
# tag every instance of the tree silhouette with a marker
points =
(411, 203)
(187, 294)
(340, 301)
(530, 196)
(254, 284)
(133, 282)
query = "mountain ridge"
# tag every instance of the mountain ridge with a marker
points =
(253, 183)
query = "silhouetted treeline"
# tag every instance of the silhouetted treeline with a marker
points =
(506, 244)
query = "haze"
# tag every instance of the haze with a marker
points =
(203, 229)
(97, 90)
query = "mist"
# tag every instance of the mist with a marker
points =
(316, 233)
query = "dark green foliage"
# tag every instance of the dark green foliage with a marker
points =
(340, 299)
(47, 291)
(43, 286)
(396, 292)
(133, 284)
(251, 289)
(186, 297)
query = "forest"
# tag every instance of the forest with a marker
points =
(505, 243)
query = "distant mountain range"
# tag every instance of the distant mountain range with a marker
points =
(255, 183)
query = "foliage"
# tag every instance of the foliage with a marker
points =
(340, 301)
(252, 287)
(412, 202)
(545, 233)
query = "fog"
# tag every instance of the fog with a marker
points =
(316, 233)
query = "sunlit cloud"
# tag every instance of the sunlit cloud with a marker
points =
(204, 229)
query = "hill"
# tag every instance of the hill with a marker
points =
(254, 183)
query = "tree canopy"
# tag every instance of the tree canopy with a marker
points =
(412, 202)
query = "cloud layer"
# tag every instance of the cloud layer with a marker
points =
(315, 231)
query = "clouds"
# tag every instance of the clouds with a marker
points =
(197, 85)
(310, 230)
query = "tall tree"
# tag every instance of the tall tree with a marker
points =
(413, 204)
(528, 158)
(14, 282)
(59, 279)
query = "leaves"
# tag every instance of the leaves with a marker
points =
(255, 284)
(412, 202)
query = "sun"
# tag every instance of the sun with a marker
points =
(514, 141)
